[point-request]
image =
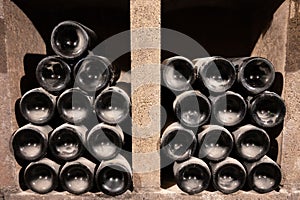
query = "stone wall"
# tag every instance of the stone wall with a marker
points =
(280, 43)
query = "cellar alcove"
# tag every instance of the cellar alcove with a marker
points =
(106, 19)
(220, 28)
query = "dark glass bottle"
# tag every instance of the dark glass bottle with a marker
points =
(70, 39)
(105, 141)
(178, 73)
(74, 106)
(66, 142)
(53, 74)
(77, 177)
(30, 142)
(217, 74)
(112, 105)
(93, 73)
(192, 176)
(229, 109)
(215, 143)
(178, 143)
(255, 74)
(42, 176)
(114, 177)
(37, 106)
(192, 108)
(251, 142)
(228, 176)
(263, 175)
(267, 109)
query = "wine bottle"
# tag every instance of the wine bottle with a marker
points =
(255, 74)
(112, 105)
(229, 109)
(114, 177)
(192, 176)
(178, 73)
(105, 141)
(77, 176)
(192, 108)
(37, 106)
(74, 106)
(228, 176)
(53, 74)
(178, 143)
(66, 142)
(251, 142)
(42, 176)
(263, 175)
(93, 73)
(215, 143)
(267, 109)
(70, 39)
(30, 142)
(216, 73)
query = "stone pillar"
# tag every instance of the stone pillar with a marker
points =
(145, 87)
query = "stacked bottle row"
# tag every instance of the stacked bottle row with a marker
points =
(75, 106)
(218, 130)
(112, 177)
(74, 119)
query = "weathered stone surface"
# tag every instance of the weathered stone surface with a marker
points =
(1, 9)
(21, 38)
(7, 178)
(272, 44)
(145, 83)
(291, 137)
(163, 194)
(293, 38)
(145, 13)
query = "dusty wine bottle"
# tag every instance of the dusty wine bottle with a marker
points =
(70, 39)
(77, 176)
(229, 109)
(217, 74)
(255, 74)
(192, 176)
(228, 176)
(93, 73)
(66, 142)
(114, 177)
(42, 176)
(37, 106)
(30, 142)
(263, 175)
(251, 142)
(53, 74)
(177, 142)
(215, 143)
(192, 108)
(178, 73)
(267, 109)
(112, 105)
(74, 106)
(105, 141)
